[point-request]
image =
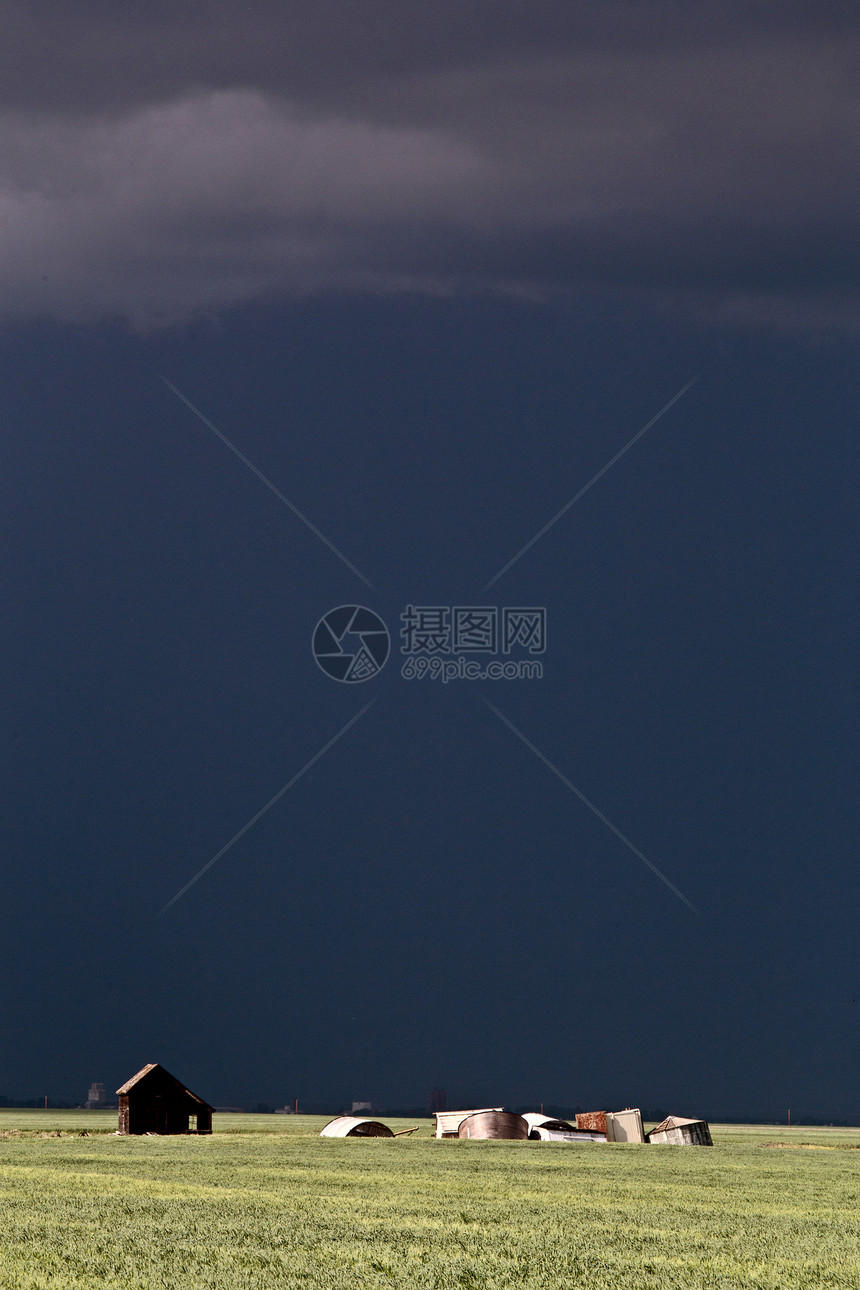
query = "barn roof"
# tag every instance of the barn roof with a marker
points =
(130, 1083)
(148, 1070)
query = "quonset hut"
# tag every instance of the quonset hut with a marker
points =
(154, 1101)
(354, 1126)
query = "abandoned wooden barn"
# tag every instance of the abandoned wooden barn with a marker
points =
(154, 1101)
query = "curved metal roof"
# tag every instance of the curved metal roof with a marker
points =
(355, 1126)
(536, 1120)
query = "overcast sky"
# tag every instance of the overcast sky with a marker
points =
(430, 269)
(171, 158)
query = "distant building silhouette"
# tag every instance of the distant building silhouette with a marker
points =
(438, 1101)
(96, 1097)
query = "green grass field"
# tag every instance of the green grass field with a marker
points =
(265, 1202)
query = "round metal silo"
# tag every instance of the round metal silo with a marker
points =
(494, 1124)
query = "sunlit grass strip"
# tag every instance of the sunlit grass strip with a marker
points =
(290, 1209)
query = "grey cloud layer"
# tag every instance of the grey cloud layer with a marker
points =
(558, 154)
(97, 55)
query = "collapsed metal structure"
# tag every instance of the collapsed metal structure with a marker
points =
(355, 1126)
(494, 1124)
(590, 1126)
(545, 1128)
(679, 1132)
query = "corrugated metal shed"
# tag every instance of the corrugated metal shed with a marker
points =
(448, 1122)
(625, 1126)
(677, 1131)
(355, 1126)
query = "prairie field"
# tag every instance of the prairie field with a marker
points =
(266, 1202)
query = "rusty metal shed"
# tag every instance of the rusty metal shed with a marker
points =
(154, 1101)
(355, 1126)
(677, 1131)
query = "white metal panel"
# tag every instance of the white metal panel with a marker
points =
(625, 1126)
(572, 1135)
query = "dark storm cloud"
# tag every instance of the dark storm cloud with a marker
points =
(172, 158)
(97, 55)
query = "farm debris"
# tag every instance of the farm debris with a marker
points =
(537, 1120)
(593, 1120)
(494, 1124)
(546, 1128)
(448, 1122)
(355, 1126)
(675, 1130)
(625, 1126)
(589, 1127)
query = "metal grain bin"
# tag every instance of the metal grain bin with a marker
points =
(354, 1126)
(494, 1124)
(448, 1122)
(679, 1132)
